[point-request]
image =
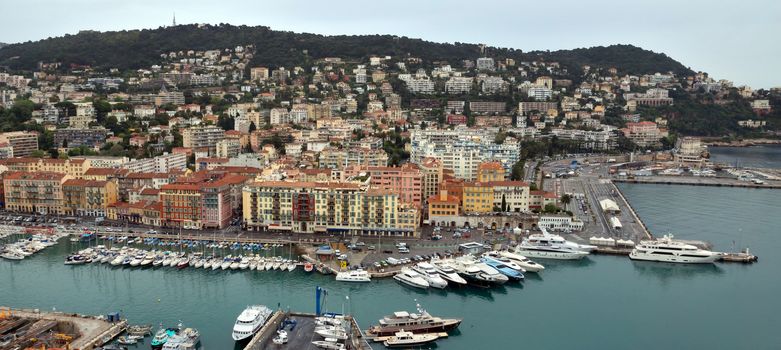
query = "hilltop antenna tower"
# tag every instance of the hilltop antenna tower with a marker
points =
(174, 21)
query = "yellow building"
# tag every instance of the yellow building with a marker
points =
(478, 197)
(442, 207)
(433, 172)
(490, 171)
(34, 192)
(88, 197)
(75, 168)
(327, 207)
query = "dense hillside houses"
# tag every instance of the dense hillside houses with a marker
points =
(366, 144)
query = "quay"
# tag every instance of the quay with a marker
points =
(57, 329)
(698, 181)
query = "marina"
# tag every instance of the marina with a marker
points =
(123, 288)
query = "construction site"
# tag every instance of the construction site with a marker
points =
(34, 329)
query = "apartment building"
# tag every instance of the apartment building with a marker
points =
(405, 180)
(75, 168)
(34, 192)
(23, 143)
(334, 158)
(73, 138)
(432, 172)
(645, 133)
(88, 197)
(161, 164)
(202, 137)
(326, 207)
(485, 107)
(458, 85)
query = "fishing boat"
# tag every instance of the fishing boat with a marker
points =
(404, 339)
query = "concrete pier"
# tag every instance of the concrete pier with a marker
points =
(698, 181)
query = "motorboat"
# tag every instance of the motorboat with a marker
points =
(333, 332)
(329, 344)
(448, 273)
(291, 266)
(511, 270)
(243, 263)
(419, 322)
(10, 255)
(250, 321)
(411, 278)
(667, 249)
(75, 260)
(187, 339)
(148, 259)
(405, 339)
(430, 274)
(162, 336)
(137, 259)
(234, 264)
(358, 275)
(182, 263)
(522, 261)
(309, 267)
(281, 337)
(477, 275)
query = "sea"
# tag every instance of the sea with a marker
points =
(601, 302)
(761, 156)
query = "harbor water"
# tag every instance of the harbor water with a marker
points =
(604, 302)
(760, 156)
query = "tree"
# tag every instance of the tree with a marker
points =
(38, 154)
(252, 127)
(566, 199)
(517, 171)
(550, 208)
(504, 203)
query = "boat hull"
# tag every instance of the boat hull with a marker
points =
(541, 254)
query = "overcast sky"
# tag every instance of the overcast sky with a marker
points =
(730, 40)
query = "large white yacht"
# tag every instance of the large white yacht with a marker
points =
(430, 274)
(520, 260)
(448, 273)
(547, 238)
(411, 278)
(353, 276)
(547, 246)
(666, 249)
(250, 320)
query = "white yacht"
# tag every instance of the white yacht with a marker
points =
(448, 273)
(250, 320)
(666, 249)
(546, 246)
(353, 276)
(547, 238)
(430, 274)
(411, 278)
(477, 273)
(520, 260)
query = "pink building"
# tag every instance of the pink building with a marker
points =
(406, 180)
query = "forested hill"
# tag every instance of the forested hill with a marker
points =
(134, 49)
